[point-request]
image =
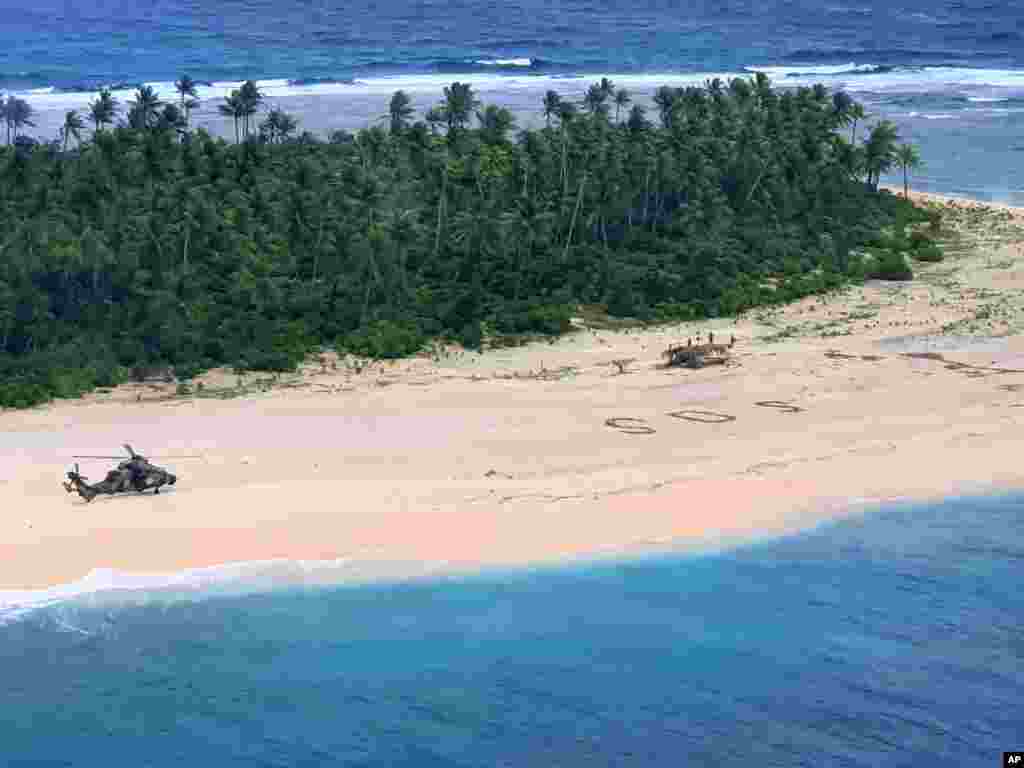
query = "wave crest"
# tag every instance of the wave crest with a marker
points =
(110, 589)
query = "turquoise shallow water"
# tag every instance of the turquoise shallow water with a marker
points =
(894, 638)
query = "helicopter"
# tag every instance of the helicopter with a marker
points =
(135, 474)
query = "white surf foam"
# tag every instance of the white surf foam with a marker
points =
(505, 62)
(804, 70)
(977, 85)
(907, 79)
(110, 588)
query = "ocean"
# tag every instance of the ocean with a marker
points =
(950, 73)
(892, 637)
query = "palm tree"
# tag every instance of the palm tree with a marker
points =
(143, 112)
(17, 113)
(637, 121)
(186, 87)
(234, 108)
(103, 110)
(403, 229)
(566, 112)
(595, 99)
(251, 100)
(278, 126)
(908, 159)
(435, 118)
(762, 87)
(622, 99)
(73, 125)
(666, 99)
(495, 123)
(399, 111)
(880, 151)
(552, 102)
(856, 112)
(171, 118)
(741, 91)
(607, 87)
(841, 103)
(459, 104)
(715, 87)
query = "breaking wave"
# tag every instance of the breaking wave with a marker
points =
(107, 588)
(958, 84)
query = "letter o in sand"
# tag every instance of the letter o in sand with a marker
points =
(784, 407)
(704, 417)
(631, 426)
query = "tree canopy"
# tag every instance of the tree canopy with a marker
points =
(154, 244)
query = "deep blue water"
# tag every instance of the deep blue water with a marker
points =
(890, 639)
(52, 42)
(949, 73)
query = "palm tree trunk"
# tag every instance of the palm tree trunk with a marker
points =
(647, 193)
(316, 250)
(565, 168)
(906, 187)
(440, 207)
(757, 181)
(403, 276)
(572, 223)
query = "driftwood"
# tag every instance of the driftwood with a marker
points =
(696, 355)
(622, 363)
(780, 404)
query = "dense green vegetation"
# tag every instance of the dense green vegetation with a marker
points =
(151, 244)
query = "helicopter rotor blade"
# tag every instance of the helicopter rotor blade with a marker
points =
(122, 457)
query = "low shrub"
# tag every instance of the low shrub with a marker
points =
(384, 339)
(928, 252)
(890, 265)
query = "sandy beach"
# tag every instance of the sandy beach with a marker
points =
(908, 390)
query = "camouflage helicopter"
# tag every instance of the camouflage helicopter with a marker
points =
(135, 474)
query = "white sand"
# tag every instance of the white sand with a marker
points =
(456, 465)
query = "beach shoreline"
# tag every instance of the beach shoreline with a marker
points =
(885, 391)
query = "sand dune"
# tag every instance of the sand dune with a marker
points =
(912, 390)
